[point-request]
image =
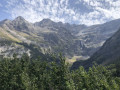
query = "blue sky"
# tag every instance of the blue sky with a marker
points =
(87, 12)
(3, 13)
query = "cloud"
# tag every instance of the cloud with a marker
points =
(60, 10)
(35, 10)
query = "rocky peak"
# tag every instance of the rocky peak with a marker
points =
(45, 23)
(19, 18)
(6, 21)
(20, 23)
(46, 20)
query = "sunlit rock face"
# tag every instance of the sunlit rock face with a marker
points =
(72, 40)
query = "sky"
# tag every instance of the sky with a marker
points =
(88, 12)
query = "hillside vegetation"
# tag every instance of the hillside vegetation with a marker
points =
(25, 74)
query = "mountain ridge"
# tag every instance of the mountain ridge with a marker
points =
(107, 54)
(71, 40)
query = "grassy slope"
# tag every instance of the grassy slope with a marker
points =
(6, 35)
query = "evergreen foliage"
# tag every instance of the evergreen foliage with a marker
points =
(26, 74)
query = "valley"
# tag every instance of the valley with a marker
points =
(54, 37)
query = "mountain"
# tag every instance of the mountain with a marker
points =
(76, 42)
(94, 36)
(109, 53)
(46, 36)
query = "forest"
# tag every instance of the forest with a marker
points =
(37, 74)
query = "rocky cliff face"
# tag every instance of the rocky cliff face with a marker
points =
(109, 53)
(94, 36)
(46, 35)
(55, 37)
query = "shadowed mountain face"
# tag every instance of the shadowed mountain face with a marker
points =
(109, 53)
(53, 37)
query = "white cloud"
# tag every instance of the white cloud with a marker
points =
(59, 10)
(36, 10)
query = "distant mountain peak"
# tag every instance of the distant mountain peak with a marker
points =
(19, 19)
(6, 21)
(47, 20)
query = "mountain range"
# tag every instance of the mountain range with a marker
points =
(73, 41)
(109, 53)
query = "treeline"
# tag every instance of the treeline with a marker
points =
(26, 74)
